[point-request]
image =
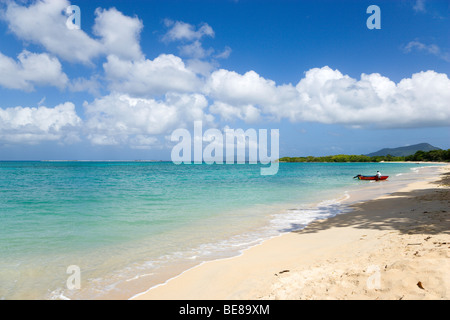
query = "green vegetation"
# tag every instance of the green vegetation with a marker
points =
(433, 155)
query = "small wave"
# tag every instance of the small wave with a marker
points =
(140, 276)
(346, 196)
(299, 218)
(58, 295)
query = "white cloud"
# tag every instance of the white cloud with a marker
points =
(121, 119)
(144, 142)
(191, 40)
(31, 70)
(327, 96)
(248, 113)
(180, 30)
(33, 125)
(224, 54)
(201, 67)
(374, 100)
(432, 48)
(195, 50)
(250, 88)
(166, 73)
(323, 95)
(419, 6)
(427, 48)
(44, 23)
(119, 34)
(91, 85)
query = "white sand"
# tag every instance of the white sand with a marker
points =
(393, 247)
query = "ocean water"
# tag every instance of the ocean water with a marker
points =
(128, 226)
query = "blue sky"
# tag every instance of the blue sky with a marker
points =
(137, 70)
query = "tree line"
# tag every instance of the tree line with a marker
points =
(433, 155)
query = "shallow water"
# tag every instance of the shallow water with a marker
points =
(131, 225)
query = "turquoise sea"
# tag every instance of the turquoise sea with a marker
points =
(128, 226)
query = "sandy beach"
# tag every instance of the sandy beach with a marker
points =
(393, 247)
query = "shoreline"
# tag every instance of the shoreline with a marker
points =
(280, 267)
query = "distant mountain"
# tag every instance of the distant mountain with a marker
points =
(404, 151)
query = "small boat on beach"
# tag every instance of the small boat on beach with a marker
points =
(361, 177)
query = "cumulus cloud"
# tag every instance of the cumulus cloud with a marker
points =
(327, 96)
(374, 100)
(31, 70)
(191, 38)
(250, 89)
(119, 34)
(229, 86)
(44, 23)
(166, 73)
(249, 113)
(34, 125)
(195, 50)
(201, 67)
(323, 95)
(121, 119)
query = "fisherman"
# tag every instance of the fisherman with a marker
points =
(378, 175)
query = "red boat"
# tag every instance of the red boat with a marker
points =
(360, 177)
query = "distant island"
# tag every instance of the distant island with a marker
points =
(418, 152)
(404, 151)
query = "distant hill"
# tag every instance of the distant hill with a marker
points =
(404, 151)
